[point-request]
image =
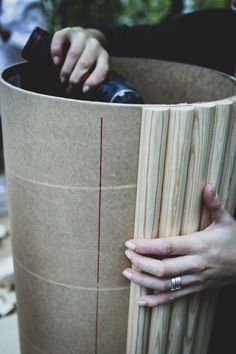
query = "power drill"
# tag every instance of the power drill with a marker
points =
(114, 88)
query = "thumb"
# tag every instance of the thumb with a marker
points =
(214, 205)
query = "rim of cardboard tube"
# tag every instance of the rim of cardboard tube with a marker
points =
(12, 69)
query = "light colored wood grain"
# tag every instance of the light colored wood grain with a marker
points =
(205, 302)
(174, 329)
(150, 177)
(178, 341)
(231, 201)
(175, 174)
(227, 188)
(217, 154)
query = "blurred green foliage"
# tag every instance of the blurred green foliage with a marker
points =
(204, 4)
(62, 13)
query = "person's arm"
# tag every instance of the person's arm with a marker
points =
(204, 38)
(203, 260)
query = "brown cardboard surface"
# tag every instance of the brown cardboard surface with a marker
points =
(58, 154)
(72, 171)
(60, 232)
(163, 82)
(73, 314)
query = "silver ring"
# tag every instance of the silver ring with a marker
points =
(176, 283)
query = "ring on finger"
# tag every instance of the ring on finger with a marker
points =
(176, 283)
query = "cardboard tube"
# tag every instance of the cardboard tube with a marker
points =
(72, 170)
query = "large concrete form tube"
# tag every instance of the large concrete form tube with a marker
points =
(72, 169)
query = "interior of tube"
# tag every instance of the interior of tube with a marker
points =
(158, 82)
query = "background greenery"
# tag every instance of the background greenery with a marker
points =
(62, 13)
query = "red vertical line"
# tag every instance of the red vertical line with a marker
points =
(99, 233)
(100, 201)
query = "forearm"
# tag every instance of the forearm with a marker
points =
(204, 38)
(133, 41)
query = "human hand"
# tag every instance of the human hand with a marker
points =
(86, 52)
(204, 259)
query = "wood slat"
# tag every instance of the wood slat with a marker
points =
(175, 174)
(150, 176)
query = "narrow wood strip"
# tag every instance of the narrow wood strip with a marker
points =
(231, 201)
(150, 175)
(227, 189)
(218, 150)
(176, 166)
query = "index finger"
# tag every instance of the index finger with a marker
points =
(168, 246)
(60, 41)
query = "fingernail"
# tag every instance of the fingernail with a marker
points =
(127, 274)
(142, 302)
(128, 254)
(130, 245)
(86, 88)
(56, 60)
